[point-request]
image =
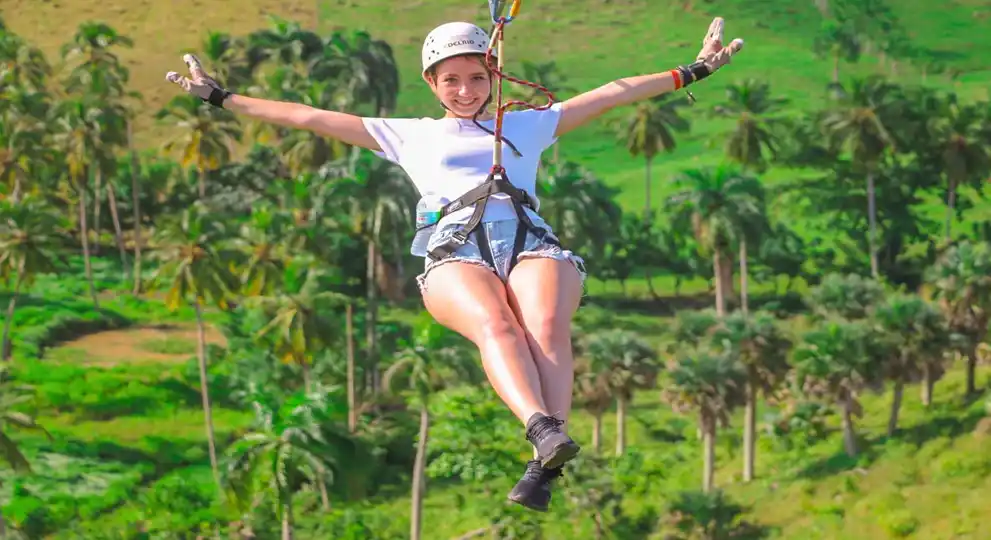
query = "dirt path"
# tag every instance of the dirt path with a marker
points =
(135, 345)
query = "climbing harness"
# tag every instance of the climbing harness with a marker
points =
(497, 181)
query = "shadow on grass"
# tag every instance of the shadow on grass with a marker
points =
(951, 424)
(666, 306)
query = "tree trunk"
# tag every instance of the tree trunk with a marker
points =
(597, 433)
(322, 486)
(371, 314)
(97, 203)
(205, 392)
(872, 225)
(718, 277)
(951, 202)
(7, 347)
(118, 233)
(557, 152)
(371, 333)
(708, 452)
(287, 521)
(926, 389)
(836, 68)
(84, 234)
(648, 275)
(352, 391)
(621, 402)
(305, 366)
(135, 201)
(419, 475)
(849, 437)
(201, 183)
(750, 429)
(896, 405)
(646, 203)
(743, 276)
(971, 372)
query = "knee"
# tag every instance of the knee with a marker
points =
(497, 325)
(550, 331)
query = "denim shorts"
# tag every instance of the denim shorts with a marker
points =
(501, 236)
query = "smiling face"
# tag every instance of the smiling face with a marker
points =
(462, 83)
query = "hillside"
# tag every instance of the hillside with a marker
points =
(592, 41)
(150, 413)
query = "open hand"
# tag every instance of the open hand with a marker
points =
(713, 54)
(198, 83)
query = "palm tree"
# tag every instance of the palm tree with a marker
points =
(956, 129)
(579, 206)
(263, 240)
(22, 137)
(714, 203)
(848, 296)
(962, 279)
(761, 346)
(99, 72)
(28, 247)
(378, 197)
(207, 135)
(430, 365)
(197, 271)
(25, 65)
(291, 444)
(363, 69)
(835, 362)
(917, 336)
(862, 120)
(299, 331)
(649, 130)
(839, 42)
(710, 384)
(592, 394)
(627, 363)
(751, 104)
(78, 129)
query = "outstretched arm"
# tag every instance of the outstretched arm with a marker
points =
(584, 108)
(344, 127)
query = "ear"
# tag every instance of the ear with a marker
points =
(429, 80)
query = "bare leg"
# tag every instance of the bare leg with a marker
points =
(472, 301)
(545, 293)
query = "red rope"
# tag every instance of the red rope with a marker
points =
(502, 107)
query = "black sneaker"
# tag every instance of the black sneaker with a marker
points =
(534, 490)
(553, 446)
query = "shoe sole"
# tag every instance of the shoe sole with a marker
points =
(520, 501)
(561, 454)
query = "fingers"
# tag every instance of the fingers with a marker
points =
(193, 63)
(715, 33)
(735, 46)
(183, 82)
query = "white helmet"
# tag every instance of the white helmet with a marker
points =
(453, 39)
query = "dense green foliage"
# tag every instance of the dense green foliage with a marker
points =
(220, 335)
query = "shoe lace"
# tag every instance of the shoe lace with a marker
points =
(543, 426)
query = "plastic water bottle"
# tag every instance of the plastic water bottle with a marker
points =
(427, 216)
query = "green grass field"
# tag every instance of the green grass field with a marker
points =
(118, 389)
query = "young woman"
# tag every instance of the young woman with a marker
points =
(494, 270)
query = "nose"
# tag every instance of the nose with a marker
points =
(464, 90)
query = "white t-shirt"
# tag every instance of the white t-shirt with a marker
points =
(449, 156)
